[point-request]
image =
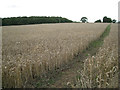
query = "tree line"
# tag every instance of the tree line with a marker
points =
(44, 19)
(33, 20)
(105, 20)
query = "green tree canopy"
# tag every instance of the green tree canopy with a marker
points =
(98, 21)
(114, 21)
(33, 20)
(107, 20)
(84, 19)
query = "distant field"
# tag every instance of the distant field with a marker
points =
(32, 50)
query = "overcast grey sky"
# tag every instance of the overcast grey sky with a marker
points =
(71, 9)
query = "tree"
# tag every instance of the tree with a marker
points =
(98, 21)
(33, 20)
(114, 21)
(107, 20)
(84, 19)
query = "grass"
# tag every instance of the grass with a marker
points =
(98, 42)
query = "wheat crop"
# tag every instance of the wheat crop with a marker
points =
(101, 70)
(32, 50)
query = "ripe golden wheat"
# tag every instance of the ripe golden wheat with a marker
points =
(101, 70)
(32, 50)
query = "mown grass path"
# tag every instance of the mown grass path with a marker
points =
(68, 75)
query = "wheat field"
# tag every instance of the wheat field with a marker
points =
(28, 51)
(101, 70)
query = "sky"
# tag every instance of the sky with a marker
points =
(71, 9)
